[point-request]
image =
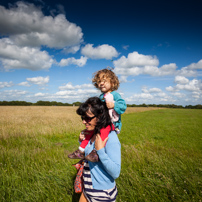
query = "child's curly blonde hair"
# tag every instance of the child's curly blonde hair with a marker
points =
(106, 74)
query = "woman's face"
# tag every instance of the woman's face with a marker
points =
(89, 120)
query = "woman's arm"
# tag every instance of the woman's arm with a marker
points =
(110, 155)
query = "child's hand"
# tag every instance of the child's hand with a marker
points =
(82, 136)
(110, 105)
(99, 144)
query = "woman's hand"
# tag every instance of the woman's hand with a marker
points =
(99, 144)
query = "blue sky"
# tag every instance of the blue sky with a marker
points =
(49, 50)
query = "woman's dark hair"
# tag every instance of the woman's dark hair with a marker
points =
(99, 109)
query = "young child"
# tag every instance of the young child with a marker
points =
(107, 82)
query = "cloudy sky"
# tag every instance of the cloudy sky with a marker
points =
(49, 50)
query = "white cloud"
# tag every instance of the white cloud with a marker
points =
(167, 69)
(190, 88)
(69, 86)
(100, 52)
(15, 57)
(178, 94)
(72, 49)
(27, 26)
(190, 70)
(39, 94)
(195, 66)
(25, 83)
(136, 64)
(150, 96)
(126, 47)
(77, 92)
(151, 90)
(171, 89)
(6, 84)
(193, 85)
(12, 94)
(186, 72)
(79, 62)
(136, 60)
(39, 80)
(123, 79)
(181, 80)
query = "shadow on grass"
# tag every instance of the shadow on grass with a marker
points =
(75, 197)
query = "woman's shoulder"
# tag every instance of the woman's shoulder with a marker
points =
(113, 137)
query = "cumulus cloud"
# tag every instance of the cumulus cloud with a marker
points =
(195, 66)
(151, 90)
(181, 80)
(150, 96)
(76, 92)
(136, 64)
(79, 62)
(12, 94)
(39, 94)
(104, 51)
(190, 70)
(6, 84)
(16, 57)
(135, 60)
(72, 49)
(39, 80)
(28, 26)
(193, 86)
(178, 94)
(69, 86)
(25, 29)
(25, 83)
(171, 89)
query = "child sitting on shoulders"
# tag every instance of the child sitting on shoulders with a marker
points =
(107, 82)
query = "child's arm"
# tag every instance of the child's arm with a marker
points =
(120, 104)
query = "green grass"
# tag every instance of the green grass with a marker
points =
(161, 161)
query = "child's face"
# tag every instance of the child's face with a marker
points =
(104, 84)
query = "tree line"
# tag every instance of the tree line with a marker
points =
(38, 103)
(54, 103)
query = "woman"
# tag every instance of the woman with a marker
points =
(99, 177)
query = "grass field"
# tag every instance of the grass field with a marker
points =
(161, 154)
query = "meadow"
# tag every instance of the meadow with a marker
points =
(161, 154)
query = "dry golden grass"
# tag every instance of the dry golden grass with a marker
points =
(33, 120)
(140, 109)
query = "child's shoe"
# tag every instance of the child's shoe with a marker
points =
(93, 156)
(117, 131)
(77, 155)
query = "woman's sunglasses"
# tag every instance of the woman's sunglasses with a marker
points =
(87, 119)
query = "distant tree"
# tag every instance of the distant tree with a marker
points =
(76, 103)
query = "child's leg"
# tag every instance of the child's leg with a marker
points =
(80, 154)
(104, 132)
